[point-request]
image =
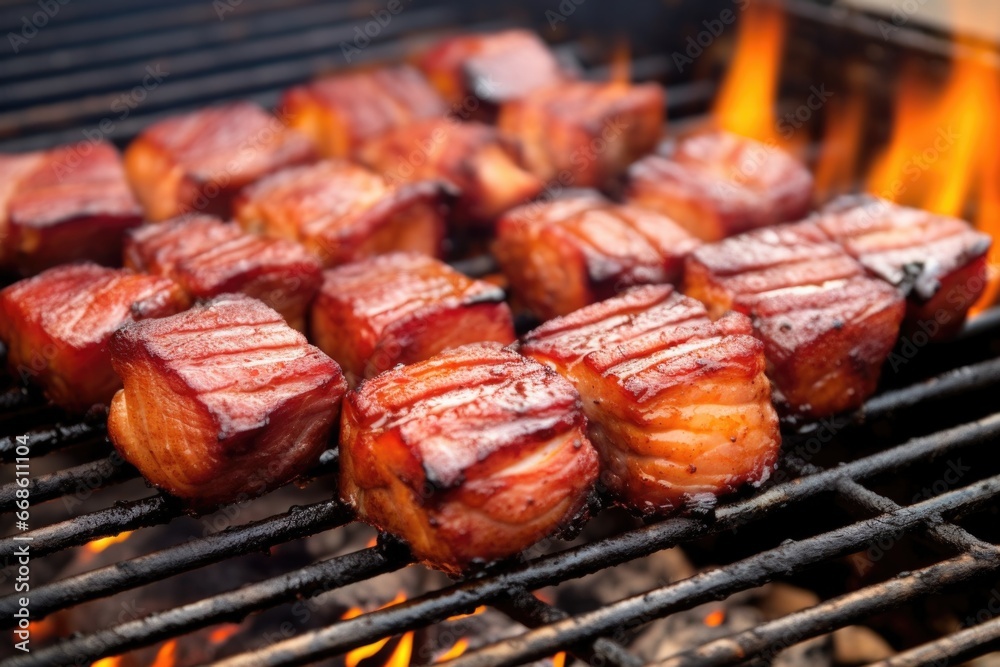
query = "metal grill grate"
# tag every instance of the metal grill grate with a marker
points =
(65, 83)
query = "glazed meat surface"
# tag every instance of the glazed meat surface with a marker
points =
(938, 262)
(562, 255)
(679, 406)
(491, 68)
(717, 184)
(584, 134)
(342, 212)
(208, 257)
(403, 308)
(470, 456)
(57, 325)
(827, 327)
(471, 156)
(199, 161)
(67, 204)
(259, 403)
(341, 112)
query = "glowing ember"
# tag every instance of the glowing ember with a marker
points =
(559, 659)
(621, 64)
(745, 104)
(715, 618)
(458, 617)
(223, 632)
(97, 546)
(458, 649)
(167, 655)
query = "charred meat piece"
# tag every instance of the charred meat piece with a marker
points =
(938, 262)
(199, 161)
(400, 309)
(491, 68)
(584, 134)
(827, 327)
(208, 257)
(679, 406)
(341, 112)
(718, 184)
(570, 252)
(258, 403)
(470, 456)
(63, 205)
(471, 156)
(56, 327)
(342, 212)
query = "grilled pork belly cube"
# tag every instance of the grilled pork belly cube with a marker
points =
(471, 156)
(342, 212)
(470, 456)
(582, 133)
(199, 161)
(57, 325)
(258, 402)
(938, 262)
(339, 113)
(491, 68)
(63, 205)
(400, 309)
(208, 257)
(827, 327)
(678, 405)
(570, 252)
(718, 184)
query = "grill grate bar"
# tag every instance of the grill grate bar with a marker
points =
(714, 584)
(769, 639)
(598, 555)
(528, 610)
(45, 440)
(951, 650)
(90, 476)
(236, 541)
(232, 606)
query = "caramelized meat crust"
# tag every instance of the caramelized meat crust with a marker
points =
(938, 262)
(257, 402)
(57, 325)
(717, 184)
(471, 156)
(342, 212)
(64, 205)
(198, 162)
(570, 252)
(678, 405)
(582, 133)
(491, 68)
(470, 456)
(339, 113)
(208, 257)
(402, 308)
(827, 327)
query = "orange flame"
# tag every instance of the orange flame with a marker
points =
(107, 662)
(838, 159)
(167, 655)
(715, 618)
(620, 70)
(476, 612)
(745, 103)
(559, 659)
(99, 545)
(223, 632)
(354, 657)
(401, 654)
(455, 651)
